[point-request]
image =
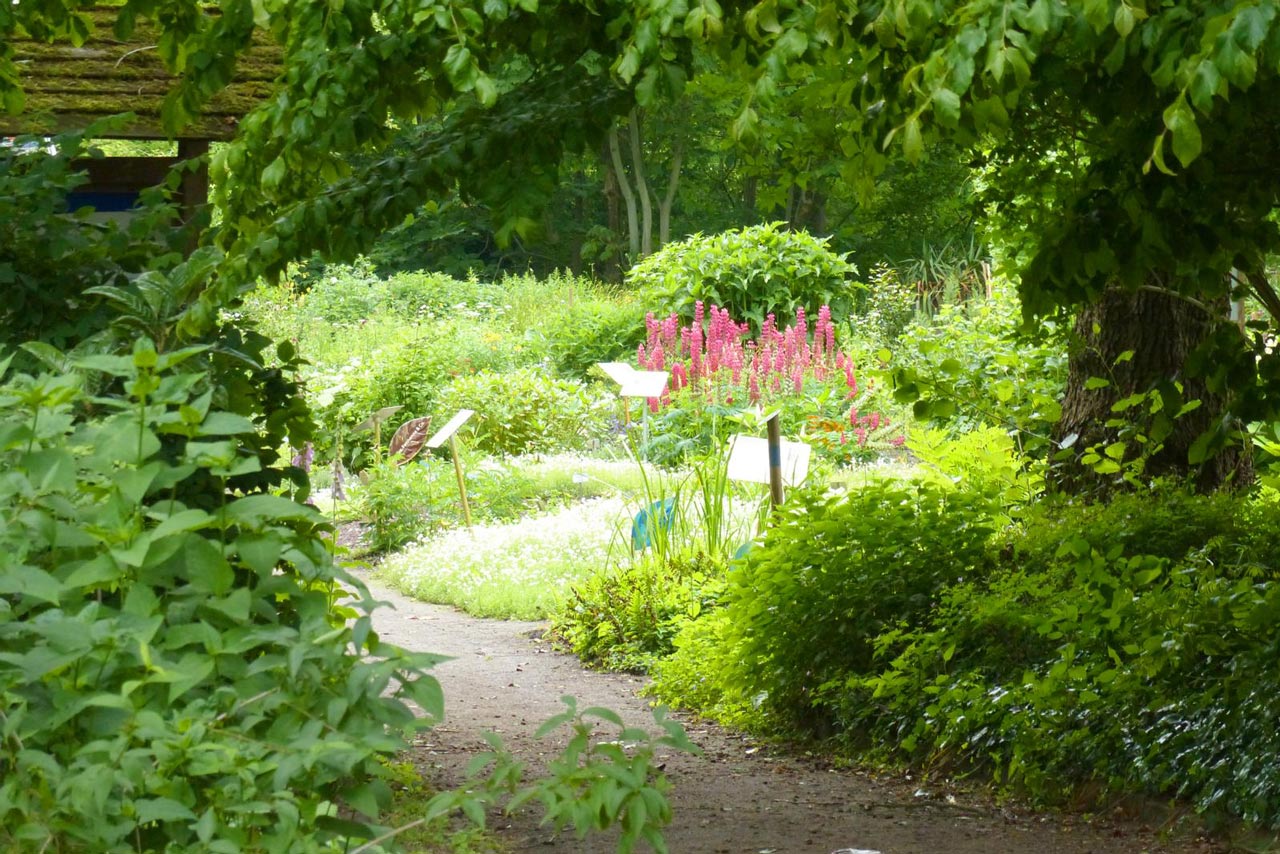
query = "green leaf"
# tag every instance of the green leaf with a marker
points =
(1124, 20)
(1181, 122)
(161, 809)
(236, 606)
(1200, 448)
(946, 107)
(206, 566)
(1095, 383)
(262, 508)
(225, 424)
(912, 140)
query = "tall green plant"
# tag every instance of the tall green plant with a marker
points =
(176, 673)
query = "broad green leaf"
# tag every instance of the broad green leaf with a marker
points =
(1181, 122)
(912, 140)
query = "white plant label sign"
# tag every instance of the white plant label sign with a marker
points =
(645, 384)
(619, 372)
(449, 429)
(749, 460)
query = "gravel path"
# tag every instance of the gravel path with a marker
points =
(736, 797)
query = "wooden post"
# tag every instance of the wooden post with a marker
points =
(462, 483)
(774, 432)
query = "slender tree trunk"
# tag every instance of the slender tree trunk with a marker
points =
(642, 186)
(628, 197)
(612, 195)
(749, 189)
(664, 207)
(1161, 330)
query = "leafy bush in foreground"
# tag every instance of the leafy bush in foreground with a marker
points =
(1131, 646)
(174, 674)
(833, 572)
(1124, 648)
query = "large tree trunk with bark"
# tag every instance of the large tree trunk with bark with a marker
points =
(1162, 330)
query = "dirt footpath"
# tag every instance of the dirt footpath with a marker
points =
(737, 797)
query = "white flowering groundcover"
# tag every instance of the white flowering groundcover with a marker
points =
(516, 570)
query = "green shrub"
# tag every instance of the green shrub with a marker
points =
(1130, 647)
(626, 618)
(752, 272)
(396, 502)
(525, 411)
(889, 306)
(833, 573)
(410, 373)
(700, 673)
(345, 295)
(176, 675)
(974, 367)
(591, 331)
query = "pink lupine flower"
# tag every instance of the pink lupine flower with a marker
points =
(679, 379)
(897, 441)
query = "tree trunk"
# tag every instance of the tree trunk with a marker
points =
(664, 207)
(749, 188)
(642, 187)
(612, 195)
(1161, 330)
(628, 197)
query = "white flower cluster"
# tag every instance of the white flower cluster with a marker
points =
(516, 570)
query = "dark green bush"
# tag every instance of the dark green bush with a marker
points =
(1134, 651)
(833, 573)
(753, 272)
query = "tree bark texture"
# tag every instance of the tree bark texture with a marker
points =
(1162, 330)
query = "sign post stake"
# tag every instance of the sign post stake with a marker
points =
(774, 433)
(448, 433)
(462, 483)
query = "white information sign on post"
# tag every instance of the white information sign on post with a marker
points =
(645, 384)
(444, 433)
(447, 434)
(749, 460)
(619, 372)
